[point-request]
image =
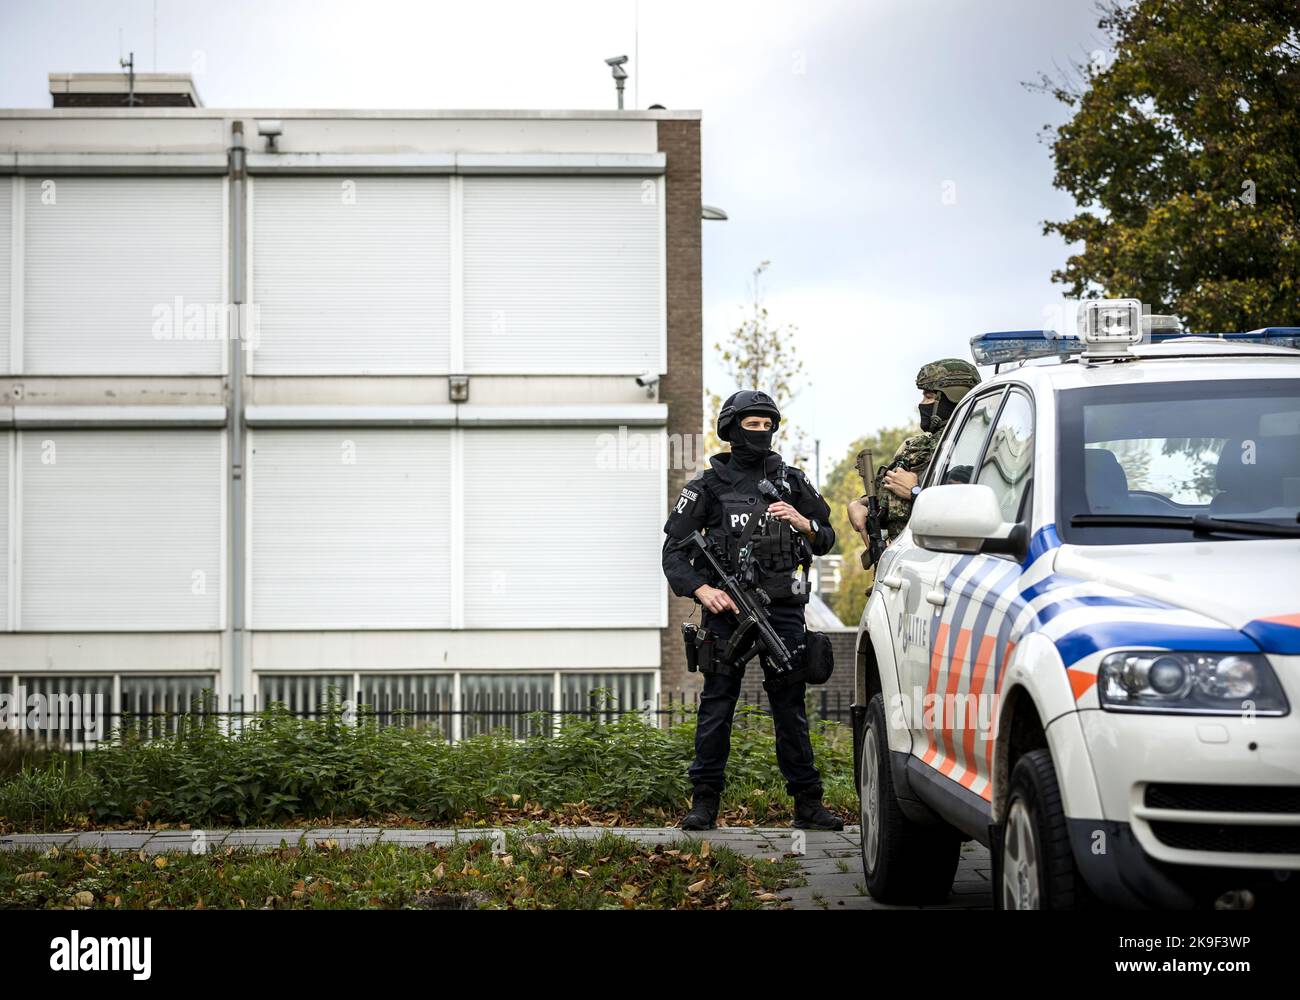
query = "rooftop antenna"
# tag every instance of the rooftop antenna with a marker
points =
(615, 63)
(128, 64)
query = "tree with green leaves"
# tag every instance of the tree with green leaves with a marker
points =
(1183, 155)
(758, 354)
(843, 485)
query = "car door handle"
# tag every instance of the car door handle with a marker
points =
(893, 581)
(936, 597)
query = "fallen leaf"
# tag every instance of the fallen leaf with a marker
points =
(698, 886)
(30, 876)
(83, 898)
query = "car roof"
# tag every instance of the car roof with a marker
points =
(1189, 358)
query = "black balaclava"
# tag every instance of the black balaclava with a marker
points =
(941, 408)
(749, 448)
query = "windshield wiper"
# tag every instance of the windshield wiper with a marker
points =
(1198, 524)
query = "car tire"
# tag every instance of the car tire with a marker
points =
(1034, 867)
(904, 862)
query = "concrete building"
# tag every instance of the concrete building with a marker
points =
(380, 399)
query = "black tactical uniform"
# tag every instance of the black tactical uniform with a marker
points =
(724, 503)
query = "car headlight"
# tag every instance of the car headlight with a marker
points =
(1191, 683)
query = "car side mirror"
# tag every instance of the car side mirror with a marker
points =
(964, 518)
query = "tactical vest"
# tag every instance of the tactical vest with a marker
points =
(775, 549)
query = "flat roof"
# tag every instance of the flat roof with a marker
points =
(119, 83)
(345, 113)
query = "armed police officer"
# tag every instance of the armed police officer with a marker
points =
(765, 522)
(943, 385)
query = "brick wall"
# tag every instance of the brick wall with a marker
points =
(682, 387)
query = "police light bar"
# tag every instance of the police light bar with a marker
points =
(1006, 347)
(1270, 336)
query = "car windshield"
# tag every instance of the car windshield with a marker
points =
(1169, 461)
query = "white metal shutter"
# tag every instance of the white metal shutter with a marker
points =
(6, 477)
(122, 530)
(352, 276)
(6, 265)
(350, 529)
(563, 274)
(558, 534)
(107, 262)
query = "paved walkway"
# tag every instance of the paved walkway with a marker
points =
(831, 862)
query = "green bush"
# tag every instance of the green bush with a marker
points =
(281, 769)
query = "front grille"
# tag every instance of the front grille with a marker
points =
(1224, 798)
(1228, 839)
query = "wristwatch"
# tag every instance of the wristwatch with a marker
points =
(916, 491)
(812, 523)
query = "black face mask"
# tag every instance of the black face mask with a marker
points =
(750, 447)
(941, 409)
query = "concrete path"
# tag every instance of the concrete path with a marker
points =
(831, 862)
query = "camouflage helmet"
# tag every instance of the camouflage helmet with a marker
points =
(952, 376)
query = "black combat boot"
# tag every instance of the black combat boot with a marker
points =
(704, 810)
(810, 814)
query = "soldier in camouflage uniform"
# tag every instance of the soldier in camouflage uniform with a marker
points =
(942, 384)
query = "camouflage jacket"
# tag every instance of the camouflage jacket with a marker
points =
(913, 455)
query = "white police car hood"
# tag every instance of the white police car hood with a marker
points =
(1193, 589)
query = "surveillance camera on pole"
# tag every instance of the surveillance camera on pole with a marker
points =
(615, 63)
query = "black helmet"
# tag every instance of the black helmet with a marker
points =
(742, 404)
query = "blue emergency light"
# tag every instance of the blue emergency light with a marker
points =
(1013, 346)
(1004, 347)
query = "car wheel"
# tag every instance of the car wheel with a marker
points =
(904, 862)
(1035, 867)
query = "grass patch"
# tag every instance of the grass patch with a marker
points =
(282, 770)
(535, 872)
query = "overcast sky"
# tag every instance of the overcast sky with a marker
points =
(882, 154)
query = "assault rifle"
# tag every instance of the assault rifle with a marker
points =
(754, 632)
(872, 536)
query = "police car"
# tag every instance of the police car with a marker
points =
(1084, 651)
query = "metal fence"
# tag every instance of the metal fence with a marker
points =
(522, 714)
